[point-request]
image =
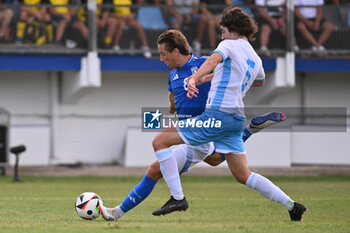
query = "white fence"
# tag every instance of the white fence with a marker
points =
(96, 129)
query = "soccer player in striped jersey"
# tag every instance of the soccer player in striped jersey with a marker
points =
(174, 51)
(237, 68)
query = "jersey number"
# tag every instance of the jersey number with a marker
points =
(248, 75)
(185, 84)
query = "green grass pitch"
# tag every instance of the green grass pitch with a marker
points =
(217, 204)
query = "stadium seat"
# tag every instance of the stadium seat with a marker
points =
(151, 18)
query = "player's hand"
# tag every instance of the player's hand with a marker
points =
(192, 89)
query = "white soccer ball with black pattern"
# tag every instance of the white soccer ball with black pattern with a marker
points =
(88, 205)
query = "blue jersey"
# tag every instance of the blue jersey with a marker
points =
(186, 107)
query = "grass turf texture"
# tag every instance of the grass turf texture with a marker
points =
(217, 204)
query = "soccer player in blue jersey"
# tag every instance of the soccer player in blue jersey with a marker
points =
(237, 68)
(174, 51)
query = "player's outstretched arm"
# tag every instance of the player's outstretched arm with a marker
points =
(205, 79)
(207, 67)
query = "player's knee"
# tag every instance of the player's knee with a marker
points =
(214, 163)
(157, 143)
(153, 171)
(161, 141)
(213, 160)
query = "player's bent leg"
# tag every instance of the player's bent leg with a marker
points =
(239, 168)
(167, 161)
(166, 138)
(261, 122)
(215, 159)
(269, 190)
(186, 157)
(153, 171)
(139, 193)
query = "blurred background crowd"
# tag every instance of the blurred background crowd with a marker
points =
(132, 26)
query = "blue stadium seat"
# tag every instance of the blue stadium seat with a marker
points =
(151, 18)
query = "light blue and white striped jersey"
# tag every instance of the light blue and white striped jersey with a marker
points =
(234, 76)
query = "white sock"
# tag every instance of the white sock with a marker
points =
(266, 188)
(116, 212)
(119, 212)
(170, 172)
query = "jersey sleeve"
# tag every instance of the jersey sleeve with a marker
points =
(223, 49)
(261, 74)
(203, 59)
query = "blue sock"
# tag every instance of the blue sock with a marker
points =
(246, 134)
(138, 194)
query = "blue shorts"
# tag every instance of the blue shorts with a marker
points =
(227, 136)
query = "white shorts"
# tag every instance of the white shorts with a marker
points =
(188, 156)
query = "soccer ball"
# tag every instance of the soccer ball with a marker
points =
(88, 205)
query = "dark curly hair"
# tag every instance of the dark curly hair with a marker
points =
(174, 39)
(238, 21)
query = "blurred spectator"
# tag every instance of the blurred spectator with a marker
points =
(271, 17)
(34, 24)
(336, 2)
(155, 2)
(124, 17)
(345, 12)
(6, 15)
(310, 19)
(66, 18)
(183, 12)
(209, 20)
(105, 23)
(29, 14)
(242, 3)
